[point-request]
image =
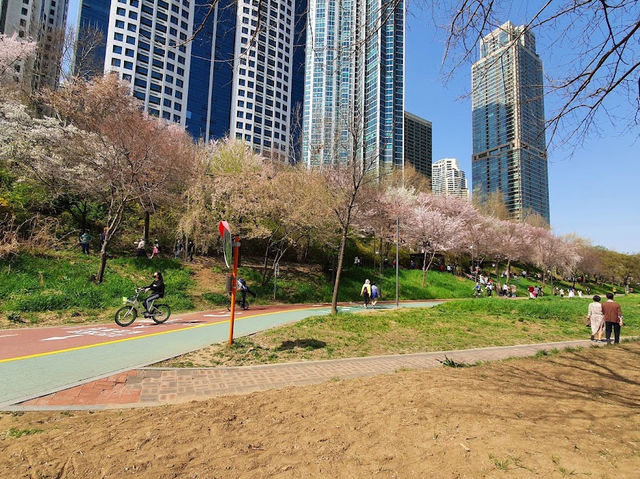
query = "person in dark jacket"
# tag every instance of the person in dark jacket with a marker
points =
(157, 291)
(243, 288)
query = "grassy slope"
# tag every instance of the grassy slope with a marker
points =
(43, 284)
(457, 324)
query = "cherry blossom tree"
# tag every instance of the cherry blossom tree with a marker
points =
(127, 157)
(13, 50)
(438, 226)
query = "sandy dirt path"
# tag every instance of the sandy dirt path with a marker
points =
(576, 413)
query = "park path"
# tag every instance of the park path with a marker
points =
(155, 386)
(39, 361)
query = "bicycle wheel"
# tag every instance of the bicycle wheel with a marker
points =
(161, 313)
(126, 315)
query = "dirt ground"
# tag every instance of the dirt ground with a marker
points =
(570, 414)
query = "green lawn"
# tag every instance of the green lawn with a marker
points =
(60, 283)
(459, 324)
(313, 287)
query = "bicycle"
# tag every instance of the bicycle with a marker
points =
(128, 313)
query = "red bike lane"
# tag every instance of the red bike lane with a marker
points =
(23, 343)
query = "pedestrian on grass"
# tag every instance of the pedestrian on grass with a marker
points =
(596, 318)
(612, 318)
(513, 291)
(85, 241)
(572, 293)
(505, 290)
(375, 294)
(532, 292)
(562, 292)
(177, 251)
(365, 292)
(190, 249)
(140, 249)
(156, 249)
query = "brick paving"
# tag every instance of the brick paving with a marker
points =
(154, 386)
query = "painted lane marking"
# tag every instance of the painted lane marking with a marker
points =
(7, 335)
(88, 346)
(57, 338)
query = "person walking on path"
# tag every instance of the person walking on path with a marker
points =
(85, 241)
(365, 292)
(243, 287)
(612, 318)
(596, 318)
(375, 294)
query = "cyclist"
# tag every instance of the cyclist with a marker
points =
(244, 289)
(157, 291)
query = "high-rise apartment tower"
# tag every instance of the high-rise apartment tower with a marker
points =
(228, 71)
(509, 147)
(418, 143)
(41, 21)
(354, 83)
(448, 179)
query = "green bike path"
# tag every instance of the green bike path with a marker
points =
(32, 376)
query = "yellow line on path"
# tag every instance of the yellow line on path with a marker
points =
(87, 346)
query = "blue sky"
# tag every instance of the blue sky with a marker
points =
(592, 188)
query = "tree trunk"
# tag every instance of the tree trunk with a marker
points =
(147, 219)
(424, 267)
(343, 245)
(508, 269)
(103, 262)
(265, 265)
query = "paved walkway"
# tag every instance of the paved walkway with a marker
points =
(154, 386)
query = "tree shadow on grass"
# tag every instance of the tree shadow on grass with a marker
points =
(307, 344)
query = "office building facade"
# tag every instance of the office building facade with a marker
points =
(448, 179)
(229, 71)
(509, 146)
(41, 21)
(354, 84)
(418, 143)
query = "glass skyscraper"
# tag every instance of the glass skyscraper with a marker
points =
(354, 83)
(509, 145)
(226, 71)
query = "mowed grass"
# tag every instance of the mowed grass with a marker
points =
(460, 324)
(62, 283)
(313, 287)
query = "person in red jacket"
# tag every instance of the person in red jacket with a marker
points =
(612, 318)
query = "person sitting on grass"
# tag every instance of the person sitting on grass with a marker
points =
(157, 291)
